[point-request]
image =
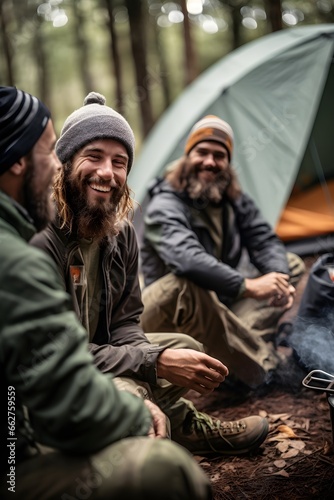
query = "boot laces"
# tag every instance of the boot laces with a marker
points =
(203, 423)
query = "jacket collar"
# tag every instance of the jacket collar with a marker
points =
(17, 216)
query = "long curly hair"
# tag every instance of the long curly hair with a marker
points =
(66, 215)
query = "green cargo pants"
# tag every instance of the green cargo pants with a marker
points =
(239, 336)
(139, 468)
(166, 395)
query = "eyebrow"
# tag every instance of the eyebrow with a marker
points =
(92, 149)
(215, 151)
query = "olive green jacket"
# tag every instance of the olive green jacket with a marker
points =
(44, 357)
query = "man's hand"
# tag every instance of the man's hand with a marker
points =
(272, 286)
(159, 421)
(191, 369)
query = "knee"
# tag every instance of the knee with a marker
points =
(170, 472)
(184, 341)
(296, 267)
(158, 468)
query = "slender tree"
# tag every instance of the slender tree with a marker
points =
(6, 43)
(235, 28)
(82, 46)
(274, 13)
(167, 99)
(191, 69)
(138, 46)
(115, 56)
(41, 63)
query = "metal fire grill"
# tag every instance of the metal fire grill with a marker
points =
(322, 381)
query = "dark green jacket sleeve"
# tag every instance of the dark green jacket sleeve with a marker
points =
(73, 407)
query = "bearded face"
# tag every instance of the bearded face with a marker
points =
(37, 193)
(213, 190)
(209, 173)
(94, 183)
(93, 218)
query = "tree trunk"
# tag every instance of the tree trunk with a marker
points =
(7, 49)
(236, 23)
(162, 65)
(82, 47)
(43, 81)
(115, 56)
(138, 46)
(190, 58)
(274, 12)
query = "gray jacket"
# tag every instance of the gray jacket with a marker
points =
(176, 240)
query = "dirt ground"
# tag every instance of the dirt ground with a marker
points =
(297, 459)
(295, 462)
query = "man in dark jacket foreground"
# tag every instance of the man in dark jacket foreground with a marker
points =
(198, 223)
(51, 392)
(95, 249)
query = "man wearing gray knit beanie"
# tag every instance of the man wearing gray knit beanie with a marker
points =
(93, 121)
(95, 247)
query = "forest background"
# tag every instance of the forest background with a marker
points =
(140, 54)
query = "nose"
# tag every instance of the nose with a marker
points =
(105, 170)
(209, 160)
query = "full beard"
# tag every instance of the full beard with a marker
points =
(210, 192)
(40, 207)
(93, 221)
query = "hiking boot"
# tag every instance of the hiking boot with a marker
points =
(205, 435)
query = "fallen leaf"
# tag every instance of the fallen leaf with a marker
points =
(298, 445)
(215, 477)
(280, 464)
(328, 448)
(279, 416)
(281, 436)
(306, 424)
(283, 473)
(290, 454)
(286, 430)
(283, 446)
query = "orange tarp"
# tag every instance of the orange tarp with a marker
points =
(308, 214)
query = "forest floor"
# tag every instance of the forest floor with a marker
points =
(296, 462)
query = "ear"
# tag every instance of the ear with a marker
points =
(19, 167)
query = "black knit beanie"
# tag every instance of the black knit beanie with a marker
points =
(23, 119)
(94, 120)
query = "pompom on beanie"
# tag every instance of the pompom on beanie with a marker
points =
(94, 120)
(23, 119)
(210, 128)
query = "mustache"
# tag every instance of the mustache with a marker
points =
(213, 169)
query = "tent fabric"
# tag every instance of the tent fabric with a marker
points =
(270, 92)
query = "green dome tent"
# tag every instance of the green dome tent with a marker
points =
(277, 93)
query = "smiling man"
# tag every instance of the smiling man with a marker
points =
(198, 225)
(93, 237)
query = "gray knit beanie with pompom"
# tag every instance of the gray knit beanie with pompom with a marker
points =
(94, 121)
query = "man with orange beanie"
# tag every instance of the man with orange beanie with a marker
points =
(198, 226)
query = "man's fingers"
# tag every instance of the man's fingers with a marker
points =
(217, 367)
